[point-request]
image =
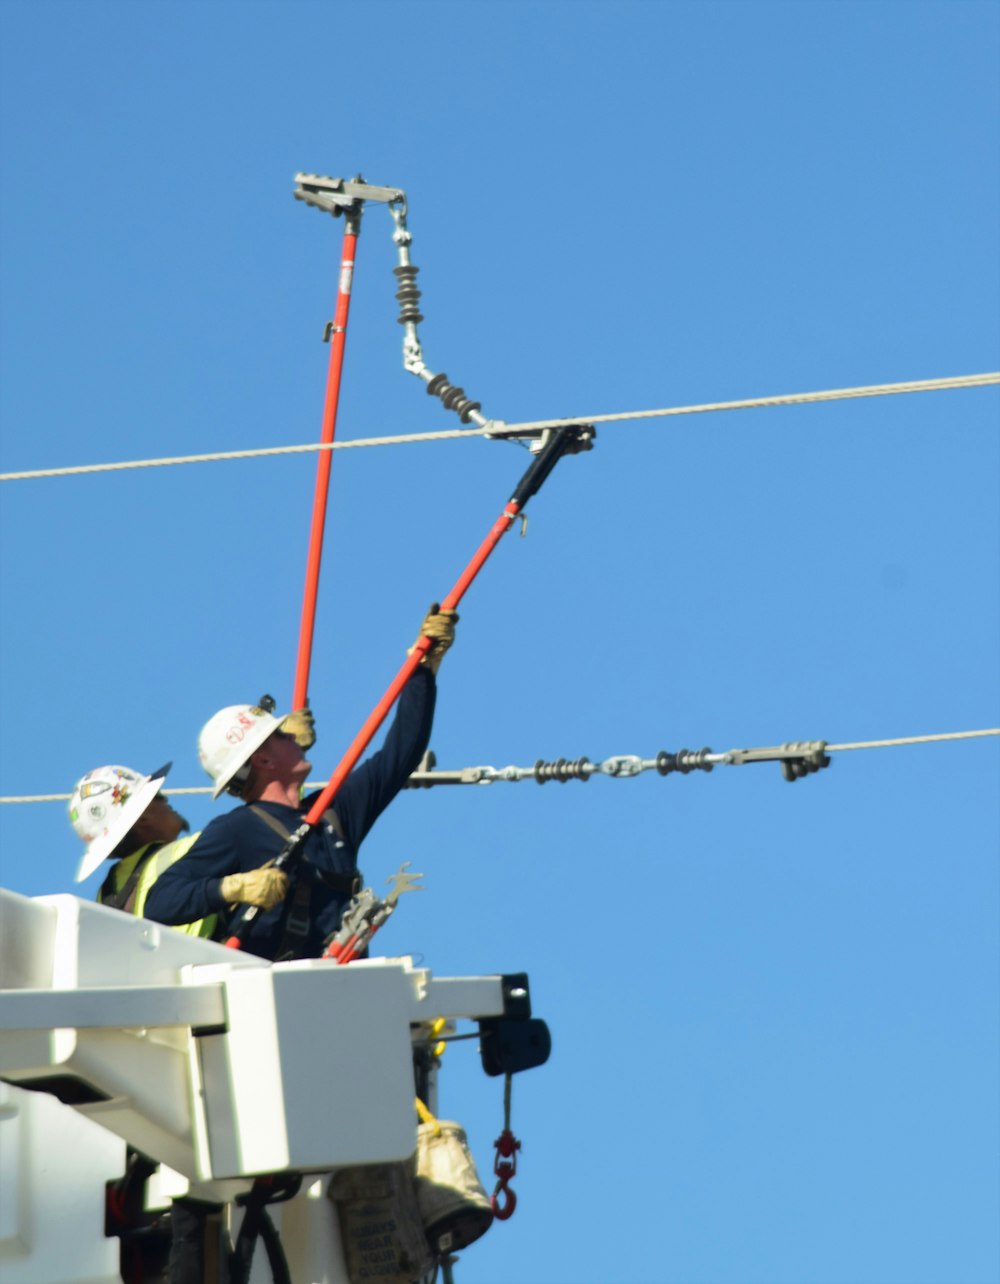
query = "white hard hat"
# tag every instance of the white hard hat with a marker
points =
(228, 740)
(105, 805)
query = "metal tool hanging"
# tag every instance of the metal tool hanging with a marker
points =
(333, 196)
(366, 913)
(408, 296)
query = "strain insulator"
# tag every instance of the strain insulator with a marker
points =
(562, 769)
(665, 762)
(454, 398)
(408, 294)
(683, 761)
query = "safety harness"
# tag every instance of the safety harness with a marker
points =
(298, 917)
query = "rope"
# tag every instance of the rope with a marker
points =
(619, 766)
(426, 1117)
(499, 429)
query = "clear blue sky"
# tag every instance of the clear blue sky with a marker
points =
(775, 1009)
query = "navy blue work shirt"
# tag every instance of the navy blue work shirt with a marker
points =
(241, 841)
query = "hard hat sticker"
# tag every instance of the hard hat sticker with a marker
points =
(244, 723)
(93, 787)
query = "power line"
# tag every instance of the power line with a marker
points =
(500, 430)
(912, 740)
(787, 399)
(618, 766)
(223, 456)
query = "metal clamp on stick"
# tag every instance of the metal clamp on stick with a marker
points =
(335, 195)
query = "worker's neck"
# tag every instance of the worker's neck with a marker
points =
(278, 791)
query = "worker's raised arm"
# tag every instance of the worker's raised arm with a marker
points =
(374, 783)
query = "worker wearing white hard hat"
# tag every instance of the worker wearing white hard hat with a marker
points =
(258, 757)
(123, 816)
(230, 739)
(105, 804)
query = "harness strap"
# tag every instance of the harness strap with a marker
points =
(272, 822)
(330, 816)
(298, 918)
(297, 921)
(123, 898)
(344, 884)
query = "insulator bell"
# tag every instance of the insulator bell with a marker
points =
(563, 769)
(408, 294)
(453, 397)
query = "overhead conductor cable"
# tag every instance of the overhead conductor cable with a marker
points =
(497, 428)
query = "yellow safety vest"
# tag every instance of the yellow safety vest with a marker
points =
(157, 858)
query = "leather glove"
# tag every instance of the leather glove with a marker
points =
(439, 626)
(262, 887)
(302, 726)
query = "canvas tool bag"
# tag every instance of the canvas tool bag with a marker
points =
(396, 1218)
(453, 1204)
(381, 1230)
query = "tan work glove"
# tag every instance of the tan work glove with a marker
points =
(439, 626)
(302, 726)
(262, 887)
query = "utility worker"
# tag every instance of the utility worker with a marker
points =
(249, 753)
(121, 815)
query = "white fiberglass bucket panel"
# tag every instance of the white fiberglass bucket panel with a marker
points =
(315, 1070)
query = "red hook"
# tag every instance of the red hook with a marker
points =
(503, 1201)
(501, 1211)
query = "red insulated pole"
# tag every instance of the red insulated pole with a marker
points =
(423, 645)
(561, 440)
(378, 716)
(573, 438)
(338, 338)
